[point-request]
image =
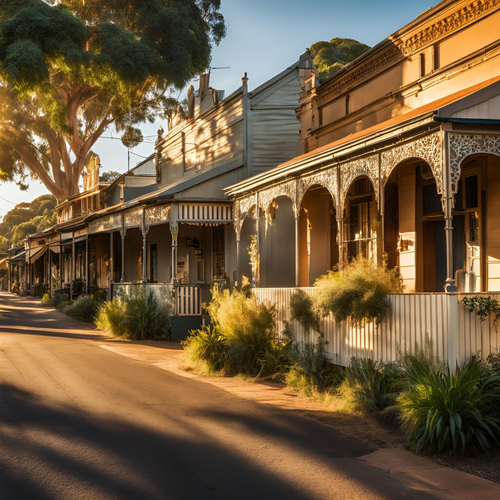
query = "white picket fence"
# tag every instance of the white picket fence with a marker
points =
(456, 333)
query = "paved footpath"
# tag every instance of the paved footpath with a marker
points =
(83, 416)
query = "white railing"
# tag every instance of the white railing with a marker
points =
(456, 333)
(188, 300)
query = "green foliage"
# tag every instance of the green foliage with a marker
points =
(15, 289)
(84, 308)
(72, 69)
(331, 56)
(48, 301)
(132, 137)
(276, 360)
(98, 293)
(142, 317)
(302, 310)
(25, 219)
(207, 347)
(248, 325)
(370, 385)
(483, 307)
(359, 291)
(64, 305)
(78, 285)
(109, 176)
(310, 357)
(445, 410)
(493, 363)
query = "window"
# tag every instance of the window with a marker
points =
(347, 105)
(422, 64)
(219, 260)
(437, 62)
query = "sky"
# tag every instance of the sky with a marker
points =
(263, 38)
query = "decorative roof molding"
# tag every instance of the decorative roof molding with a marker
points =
(400, 50)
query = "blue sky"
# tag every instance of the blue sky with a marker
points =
(263, 38)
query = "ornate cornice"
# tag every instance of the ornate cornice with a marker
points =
(402, 49)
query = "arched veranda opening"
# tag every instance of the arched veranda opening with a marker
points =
(277, 247)
(318, 244)
(359, 232)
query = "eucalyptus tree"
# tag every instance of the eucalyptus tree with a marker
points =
(71, 68)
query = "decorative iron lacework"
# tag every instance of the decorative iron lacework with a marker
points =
(241, 209)
(133, 218)
(325, 178)
(158, 215)
(428, 148)
(287, 189)
(463, 145)
(108, 223)
(350, 171)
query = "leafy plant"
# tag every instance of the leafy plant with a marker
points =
(493, 362)
(78, 285)
(207, 346)
(15, 288)
(302, 310)
(369, 385)
(84, 308)
(276, 360)
(450, 410)
(248, 325)
(98, 293)
(483, 307)
(359, 291)
(48, 301)
(141, 317)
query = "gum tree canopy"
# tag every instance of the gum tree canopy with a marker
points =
(71, 68)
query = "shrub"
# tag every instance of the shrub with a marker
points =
(84, 308)
(358, 291)
(206, 347)
(369, 385)
(98, 293)
(493, 363)
(248, 325)
(483, 307)
(64, 305)
(302, 310)
(138, 318)
(276, 360)
(310, 358)
(446, 410)
(15, 289)
(78, 285)
(48, 301)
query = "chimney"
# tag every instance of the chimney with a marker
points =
(307, 69)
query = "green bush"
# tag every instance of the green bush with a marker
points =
(303, 311)
(64, 305)
(493, 363)
(48, 301)
(276, 360)
(206, 347)
(248, 325)
(445, 410)
(142, 317)
(15, 289)
(78, 286)
(370, 385)
(359, 291)
(310, 358)
(98, 293)
(84, 308)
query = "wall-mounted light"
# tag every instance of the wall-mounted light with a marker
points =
(196, 243)
(189, 241)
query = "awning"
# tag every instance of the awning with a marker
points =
(35, 256)
(20, 257)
